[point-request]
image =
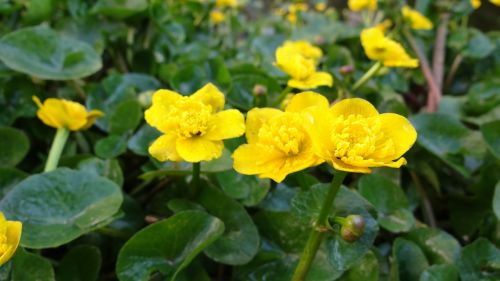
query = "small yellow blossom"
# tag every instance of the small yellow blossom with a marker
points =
(352, 136)
(292, 18)
(416, 19)
(495, 2)
(10, 235)
(193, 126)
(217, 17)
(299, 60)
(389, 52)
(320, 7)
(475, 3)
(358, 5)
(298, 7)
(60, 113)
(226, 3)
(279, 142)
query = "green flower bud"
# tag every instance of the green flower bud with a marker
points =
(352, 228)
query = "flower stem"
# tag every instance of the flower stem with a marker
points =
(196, 175)
(282, 96)
(317, 233)
(56, 149)
(369, 74)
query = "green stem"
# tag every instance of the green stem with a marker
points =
(196, 175)
(282, 96)
(369, 74)
(56, 149)
(318, 232)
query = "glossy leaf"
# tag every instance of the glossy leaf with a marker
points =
(14, 145)
(81, 263)
(479, 261)
(249, 189)
(409, 260)
(439, 246)
(29, 266)
(109, 168)
(491, 134)
(442, 272)
(119, 8)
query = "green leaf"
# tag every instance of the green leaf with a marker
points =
(401, 220)
(14, 145)
(38, 10)
(410, 260)
(444, 136)
(142, 139)
(491, 134)
(382, 193)
(496, 201)
(249, 189)
(167, 246)
(28, 266)
(439, 246)
(81, 263)
(111, 146)
(119, 9)
(61, 205)
(482, 97)
(479, 261)
(241, 94)
(479, 45)
(366, 269)
(108, 168)
(240, 241)
(126, 117)
(10, 177)
(16, 101)
(440, 272)
(41, 52)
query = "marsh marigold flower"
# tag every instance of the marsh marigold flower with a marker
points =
(193, 126)
(10, 235)
(217, 16)
(61, 113)
(226, 3)
(299, 59)
(279, 142)
(495, 2)
(358, 5)
(475, 3)
(380, 48)
(416, 19)
(352, 136)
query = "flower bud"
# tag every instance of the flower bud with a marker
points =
(259, 90)
(346, 69)
(352, 228)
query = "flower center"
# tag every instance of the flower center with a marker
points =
(284, 133)
(356, 138)
(191, 117)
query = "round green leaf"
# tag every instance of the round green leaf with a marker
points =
(142, 139)
(491, 134)
(167, 246)
(111, 146)
(397, 221)
(108, 168)
(382, 193)
(59, 206)
(40, 51)
(439, 246)
(249, 189)
(14, 145)
(119, 9)
(10, 177)
(126, 117)
(81, 263)
(366, 269)
(240, 241)
(409, 260)
(479, 261)
(440, 272)
(28, 266)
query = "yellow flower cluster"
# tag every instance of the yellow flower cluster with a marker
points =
(216, 17)
(299, 59)
(10, 235)
(226, 3)
(416, 19)
(350, 135)
(193, 126)
(60, 113)
(381, 48)
(294, 9)
(358, 5)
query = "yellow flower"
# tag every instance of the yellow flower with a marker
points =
(193, 126)
(352, 136)
(495, 2)
(475, 3)
(299, 60)
(60, 113)
(358, 5)
(320, 7)
(298, 7)
(10, 235)
(416, 19)
(279, 142)
(292, 18)
(389, 52)
(226, 3)
(217, 16)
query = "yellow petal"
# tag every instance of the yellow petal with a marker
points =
(60, 113)
(91, 117)
(210, 95)
(341, 166)
(312, 81)
(400, 130)
(303, 100)
(162, 102)
(13, 235)
(320, 132)
(226, 124)
(198, 149)
(164, 148)
(255, 118)
(253, 159)
(354, 106)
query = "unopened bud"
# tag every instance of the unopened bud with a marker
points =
(352, 228)
(346, 69)
(319, 40)
(259, 90)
